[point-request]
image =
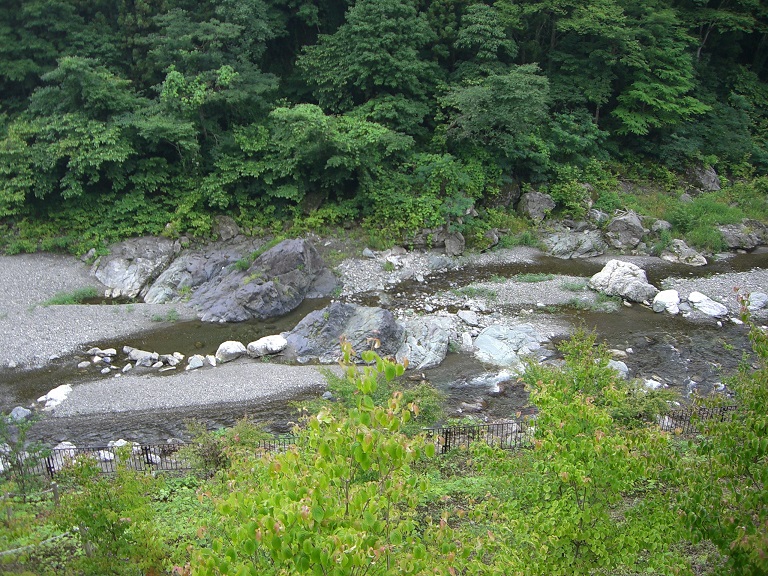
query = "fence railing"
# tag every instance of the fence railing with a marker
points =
(688, 421)
(505, 435)
(509, 435)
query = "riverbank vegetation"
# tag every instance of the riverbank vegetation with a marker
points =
(127, 118)
(601, 490)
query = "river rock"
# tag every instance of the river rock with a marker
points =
(267, 345)
(426, 342)
(274, 284)
(679, 252)
(230, 350)
(706, 305)
(55, 396)
(567, 245)
(618, 278)
(318, 334)
(667, 301)
(757, 301)
(469, 317)
(19, 414)
(504, 345)
(535, 205)
(131, 265)
(620, 367)
(626, 231)
(661, 226)
(195, 361)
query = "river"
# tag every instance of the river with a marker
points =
(689, 356)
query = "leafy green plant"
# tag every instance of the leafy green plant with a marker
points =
(342, 504)
(388, 266)
(574, 285)
(476, 292)
(114, 520)
(732, 512)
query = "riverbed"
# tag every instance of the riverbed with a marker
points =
(689, 356)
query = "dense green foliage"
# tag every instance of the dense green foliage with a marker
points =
(125, 117)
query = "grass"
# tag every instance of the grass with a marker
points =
(574, 286)
(476, 292)
(75, 297)
(533, 277)
(171, 316)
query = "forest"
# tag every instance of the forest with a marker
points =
(127, 117)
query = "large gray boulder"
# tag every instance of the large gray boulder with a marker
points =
(230, 350)
(667, 301)
(744, 236)
(625, 231)
(132, 265)
(319, 334)
(426, 342)
(576, 244)
(679, 252)
(273, 285)
(704, 179)
(535, 205)
(618, 278)
(506, 345)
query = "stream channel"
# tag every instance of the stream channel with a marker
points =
(685, 354)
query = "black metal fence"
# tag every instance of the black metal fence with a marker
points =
(687, 421)
(505, 435)
(509, 435)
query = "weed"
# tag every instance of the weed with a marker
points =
(476, 292)
(574, 286)
(75, 297)
(533, 277)
(388, 266)
(496, 279)
(525, 238)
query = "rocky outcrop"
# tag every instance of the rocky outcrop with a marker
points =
(132, 265)
(506, 345)
(744, 236)
(625, 231)
(576, 244)
(618, 278)
(679, 252)
(451, 241)
(273, 285)
(319, 334)
(704, 179)
(426, 342)
(535, 205)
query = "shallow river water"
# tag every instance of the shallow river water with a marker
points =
(689, 356)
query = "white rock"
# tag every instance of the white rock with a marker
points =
(230, 350)
(105, 370)
(757, 301)
(55, 396)
(653, 384)
(267, 345)
(618, 278)
(127, 368)
(83, 364)
(667, 301)
(706, 305)
(195, 362)
(620, 367)
(211, 359)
